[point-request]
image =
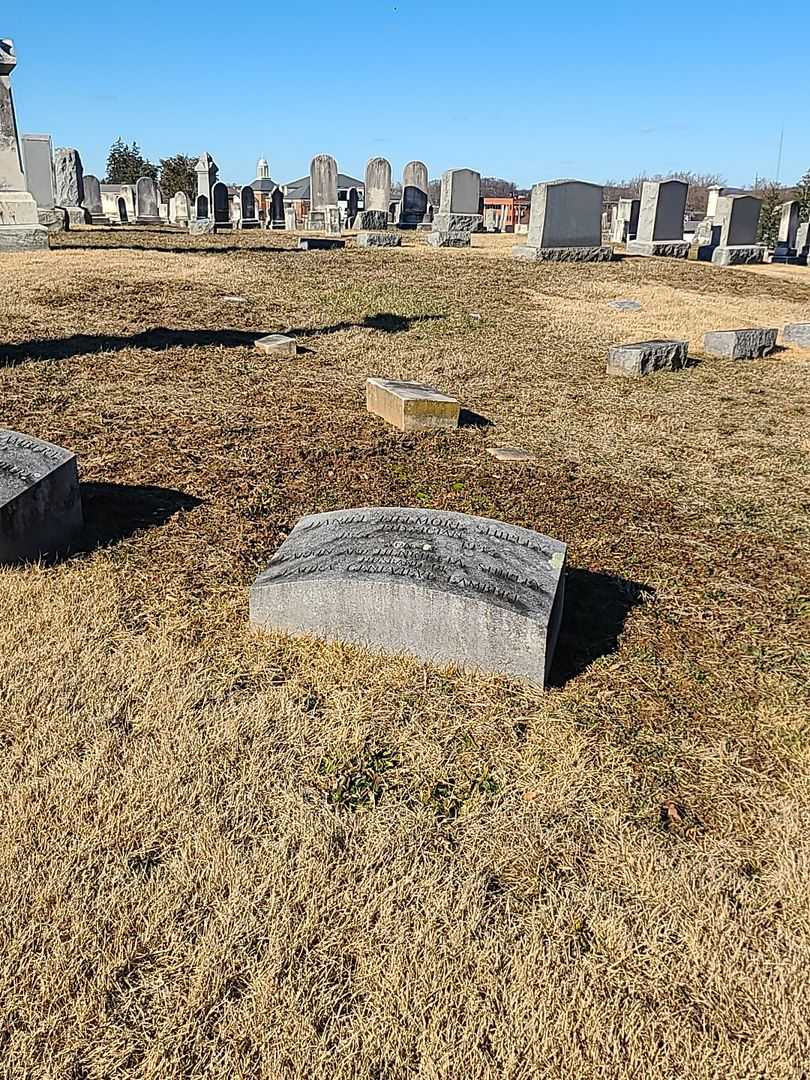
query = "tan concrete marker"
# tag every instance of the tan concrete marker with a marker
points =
(411, 406)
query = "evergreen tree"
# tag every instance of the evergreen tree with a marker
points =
(126, 164)
(772, 196)
(803, 196)
(177, 174)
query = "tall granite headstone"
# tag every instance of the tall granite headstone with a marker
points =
(221, 205)
(70, 184)
(20, 229)
(39, 176)
(247, 199)
(40, 505)
(459, 206)
(738, 218)
(207, 172)
(660, 220)
(277, 214)
(374, 215)
(565, 224)
(323, 190)
(147, 202)
(445, 587)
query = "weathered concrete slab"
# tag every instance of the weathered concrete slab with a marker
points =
(668, 249)
(646, 357)
(40, 506)
(529, 253)
(23, 238)
(797, 334)
(740, 344)
(447, 588)
(379, 239)
(510, 453)
(277, 345)
(319, 243)
(411, 406)
(738, 256)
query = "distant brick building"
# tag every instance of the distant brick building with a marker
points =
(506, 213)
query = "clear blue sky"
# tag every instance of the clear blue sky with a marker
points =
(526, 91)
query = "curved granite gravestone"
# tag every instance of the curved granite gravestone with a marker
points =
(414, 205)
(40, 506)
(442, 586)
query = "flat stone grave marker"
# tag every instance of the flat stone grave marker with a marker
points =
(277, 344)
(625, 305)
(378, 239)
(445, 587)
(510, 453)
(646, 357)
(797, 334)
(40, 505)
(411, 406)
(319, 243)
(740, 344)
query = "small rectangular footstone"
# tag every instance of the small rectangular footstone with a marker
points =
(319, 243)
(40, 506)
(411, 406)
(741, 255)
(530, 253)
(445, 587)
(645, 357)
(668, 249)
(797, 334)
(510, 453)
(740, 344)
(277, 344)
(439, 238)
(379, 239)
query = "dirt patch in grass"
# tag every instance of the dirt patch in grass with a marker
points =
(225, 854)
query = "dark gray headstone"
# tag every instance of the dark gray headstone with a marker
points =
(248, 200)
(414, 193)
(40, 506)
(738, 217)
(92, 196)
(442, 586)
(662, 210)
(222, 203)
(201, 208)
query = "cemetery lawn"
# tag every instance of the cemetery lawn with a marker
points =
(232, 855)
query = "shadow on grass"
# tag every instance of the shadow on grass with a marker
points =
(596, 609)
(113, 512)
(467, 418)
(163, 338)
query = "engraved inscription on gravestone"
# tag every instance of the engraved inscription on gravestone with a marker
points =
(40, 506)
(442, 586)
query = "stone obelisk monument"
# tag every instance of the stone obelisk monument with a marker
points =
(19, 223)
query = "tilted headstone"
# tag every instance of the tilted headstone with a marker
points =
(40, 505)
(20, 229)
(247, 199)
(414, 204)
(221, 204)
(459, 204)
(445, 587)
(565, 224)
(738, 218)
(660, 220)
(323, 189)
(207, 172)
(374, 215)
(147, 202)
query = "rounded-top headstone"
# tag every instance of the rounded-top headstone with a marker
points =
(378, 184)
(323, 176)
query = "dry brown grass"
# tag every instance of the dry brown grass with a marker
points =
(225, 855)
